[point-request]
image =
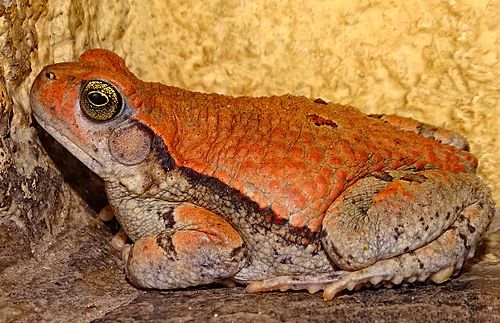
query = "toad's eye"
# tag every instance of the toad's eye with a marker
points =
(100, 101)
(97, 99)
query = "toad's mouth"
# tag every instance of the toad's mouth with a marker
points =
(75, 150)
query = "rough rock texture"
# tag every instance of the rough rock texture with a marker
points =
(466, 300)
(436, 61)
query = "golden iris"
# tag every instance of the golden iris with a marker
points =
(100, 101)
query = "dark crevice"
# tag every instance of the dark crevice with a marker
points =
(321, 121)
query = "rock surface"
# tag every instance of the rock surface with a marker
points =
(473, 298)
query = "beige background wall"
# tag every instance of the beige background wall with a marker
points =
(437, 61)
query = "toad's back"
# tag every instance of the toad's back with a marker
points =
(289, 153)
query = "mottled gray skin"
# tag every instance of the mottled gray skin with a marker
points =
(397, 214)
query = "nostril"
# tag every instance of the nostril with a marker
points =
(50, 75)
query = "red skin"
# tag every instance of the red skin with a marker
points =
(291, 153)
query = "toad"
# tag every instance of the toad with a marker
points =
(277, 193)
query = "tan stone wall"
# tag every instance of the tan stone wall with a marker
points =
(437, 61)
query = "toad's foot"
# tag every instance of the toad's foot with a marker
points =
(106, 214)
(120, 238)
(312, 283)
(422, 264)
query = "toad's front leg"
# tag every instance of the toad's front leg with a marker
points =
(202, 248)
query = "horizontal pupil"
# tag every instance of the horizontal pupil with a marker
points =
(97, 98)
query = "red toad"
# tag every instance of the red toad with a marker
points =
(279, 192)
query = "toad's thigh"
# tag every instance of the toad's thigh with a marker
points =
(395, 212)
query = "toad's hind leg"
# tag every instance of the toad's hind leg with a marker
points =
(201, 248)
(441, 135)
(405, 226)
(436, 261)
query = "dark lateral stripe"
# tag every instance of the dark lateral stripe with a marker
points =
(159, 148)
(164, 157)
(264, 218)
